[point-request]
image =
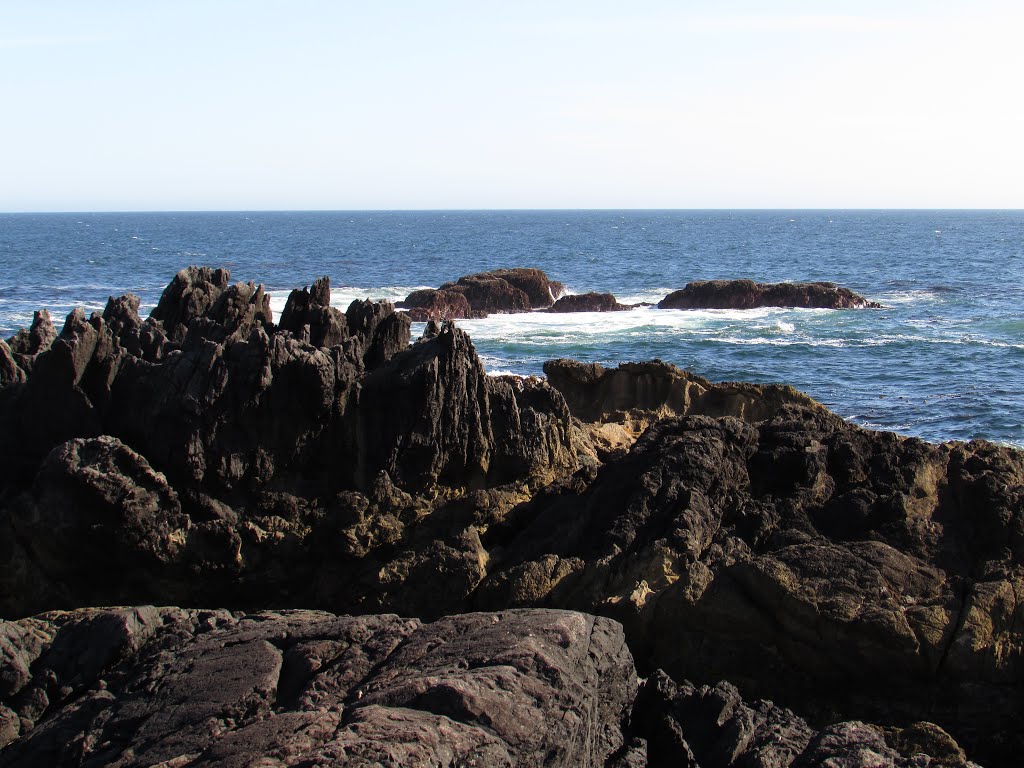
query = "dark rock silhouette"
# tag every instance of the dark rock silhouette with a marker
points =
(253, 430)
(588, 302)
(484, 293)
(746, 294)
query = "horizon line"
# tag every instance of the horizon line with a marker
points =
(501, 210)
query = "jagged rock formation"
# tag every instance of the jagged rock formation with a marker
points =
(746, 294)
(234, 443)
(739, 532)
(482, 294)
(588, 302)
(166, 686)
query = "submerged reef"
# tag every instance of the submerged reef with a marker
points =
(792, 590)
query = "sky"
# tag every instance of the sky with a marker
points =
(303, 105)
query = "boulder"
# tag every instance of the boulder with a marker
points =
(588, 302)
(484, 293)
(431, 304)
(168, 686)
(746, 294)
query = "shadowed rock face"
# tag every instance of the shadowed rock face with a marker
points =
(252, 431)
(738, 532)
(746, 294)
(478, 295)
(147, 686)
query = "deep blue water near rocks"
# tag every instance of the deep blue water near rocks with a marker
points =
(943, 360)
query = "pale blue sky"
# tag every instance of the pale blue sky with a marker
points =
(341, 105)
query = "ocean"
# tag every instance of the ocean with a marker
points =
(943, 359)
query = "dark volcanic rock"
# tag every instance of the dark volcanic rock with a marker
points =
(748, 535)
(484, 293)
(10, 371)
(430, 304)
(801, 558)
(99, 497)
(166, 686)
(192, 292)
(588, 302)
(539, 289)
(712, 726)
(27, 344)
(138, 687)
(308, 314)
(746, 294)
(264, 444)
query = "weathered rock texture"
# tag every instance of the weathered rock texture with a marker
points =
(738, 532)
(148, 686)
(588, 302)
(485, 293)
(746, 294)
(827, 567)
(166, 686)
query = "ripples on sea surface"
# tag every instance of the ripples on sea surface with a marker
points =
(943, 360)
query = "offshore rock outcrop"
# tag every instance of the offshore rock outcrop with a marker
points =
(588, 302)
(746, 294)
(166, 686)
(738, 532)
(484, 293)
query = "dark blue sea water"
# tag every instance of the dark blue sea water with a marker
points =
(943, 360)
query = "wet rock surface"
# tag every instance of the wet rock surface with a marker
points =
(738, 532)
(746, 294)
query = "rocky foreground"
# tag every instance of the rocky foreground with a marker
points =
(173, 687)
(752, 545)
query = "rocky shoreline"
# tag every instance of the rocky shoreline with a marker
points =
(741, 545)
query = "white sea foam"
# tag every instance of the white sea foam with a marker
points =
(914, 296)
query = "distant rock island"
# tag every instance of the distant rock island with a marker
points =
(484, 565)
(746, 294)
(525, 289)
(484, 293)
